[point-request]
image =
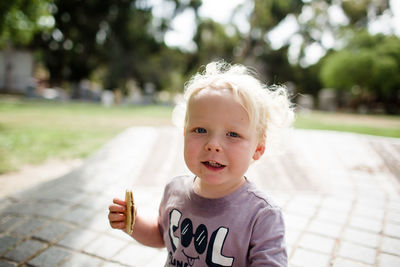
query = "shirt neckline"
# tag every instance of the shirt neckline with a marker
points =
(217, 202)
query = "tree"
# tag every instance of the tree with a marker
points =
(134, 47)
(361, 12)
(368, 67)
(264, 17)
(21, 19)
(353, 15)
(117, 36)
(213, 41)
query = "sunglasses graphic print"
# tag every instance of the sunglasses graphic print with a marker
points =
(212, 246)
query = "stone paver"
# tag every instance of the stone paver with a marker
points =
(357, 253)
(52, 256)
(323, 228)
(305, 258)
(391, 245)
(393, 230)
(317, 243)
(78, 239)
(366, 239)
(25, 250)
(366, 224)
(53, 231)
(104, 246)
(340, 194)
(6, 242)
(80, 259)
(340, 262)
(29, 226)
(5, 263)
(387, 260)
(8, 222)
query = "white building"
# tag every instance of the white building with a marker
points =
(16, 70)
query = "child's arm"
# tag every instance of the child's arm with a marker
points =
(145, 231)
(267, 247)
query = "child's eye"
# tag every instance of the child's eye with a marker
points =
(200, 130)
(232, 134)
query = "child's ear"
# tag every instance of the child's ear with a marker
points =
(259, 151)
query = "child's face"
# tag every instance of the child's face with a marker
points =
(220, 142)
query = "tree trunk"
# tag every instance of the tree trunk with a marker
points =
(8, 70)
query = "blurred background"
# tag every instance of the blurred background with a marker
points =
(75, 73)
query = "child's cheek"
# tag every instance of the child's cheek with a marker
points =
(190, 151)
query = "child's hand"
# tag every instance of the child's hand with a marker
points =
(116, 216)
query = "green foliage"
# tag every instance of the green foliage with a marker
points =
(21, 19)
(213, 42)
(121, 41)
(278, 70)
(385, 75)
(307, 80)
(356, 10)
(162, 67)
(370, 62)
(264, 17)
(267, 14)
(117, 37)
(345, 69)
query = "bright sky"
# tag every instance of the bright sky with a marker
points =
(184, 25)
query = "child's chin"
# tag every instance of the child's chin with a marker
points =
(212, 179)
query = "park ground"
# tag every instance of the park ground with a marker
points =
(42, 140)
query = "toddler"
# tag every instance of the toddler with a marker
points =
(216, 216)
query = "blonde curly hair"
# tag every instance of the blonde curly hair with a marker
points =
(269, 108)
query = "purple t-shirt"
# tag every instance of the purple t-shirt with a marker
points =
(241, 229)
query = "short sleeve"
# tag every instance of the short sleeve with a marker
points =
(267, 244)
(161, 209)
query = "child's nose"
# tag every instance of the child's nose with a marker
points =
(213, 145)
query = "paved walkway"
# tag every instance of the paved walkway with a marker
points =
(340, 194)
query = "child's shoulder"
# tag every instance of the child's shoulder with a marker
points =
(181, 180)
(259, 197)
(179, 183)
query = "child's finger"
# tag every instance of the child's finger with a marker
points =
(118, 225)
(117, 208)
(119, 201)
(116, 217)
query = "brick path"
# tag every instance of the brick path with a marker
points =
(340, 194)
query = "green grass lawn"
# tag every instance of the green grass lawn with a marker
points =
(378, 125)
(33, 131)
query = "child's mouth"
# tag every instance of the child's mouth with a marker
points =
(213, 165)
